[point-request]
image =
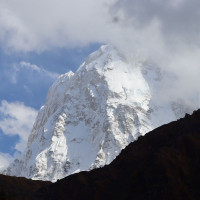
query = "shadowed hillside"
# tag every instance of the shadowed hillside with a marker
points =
(164, 164)
(19, 188)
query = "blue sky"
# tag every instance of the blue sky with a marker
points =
(40, 39)
(21, 82)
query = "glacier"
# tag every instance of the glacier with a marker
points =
(91, 115)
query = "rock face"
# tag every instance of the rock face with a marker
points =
(92, 114)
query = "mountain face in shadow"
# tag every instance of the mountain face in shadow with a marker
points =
(163, 164)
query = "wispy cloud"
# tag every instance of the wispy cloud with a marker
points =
(18, 68)
(17, 119)
(5, 160)
(33, 67)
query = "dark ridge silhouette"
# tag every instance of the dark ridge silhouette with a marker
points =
(163, 165)
(19, 188)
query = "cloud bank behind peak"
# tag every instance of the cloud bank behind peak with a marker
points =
(166, 33)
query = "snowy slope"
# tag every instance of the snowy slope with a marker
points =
(91, 115)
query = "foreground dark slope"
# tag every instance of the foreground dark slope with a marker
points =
(19, 188)
(164, 164)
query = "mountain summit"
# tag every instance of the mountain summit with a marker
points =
(92, 114)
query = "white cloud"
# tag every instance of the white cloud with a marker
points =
(17, 68)
(28, 65)
(17, 119)
(5, 160)
(167, 33)
(33, 67)
(39, 25)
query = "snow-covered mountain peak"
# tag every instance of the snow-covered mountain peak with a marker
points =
(102, 59)
(91, 115)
